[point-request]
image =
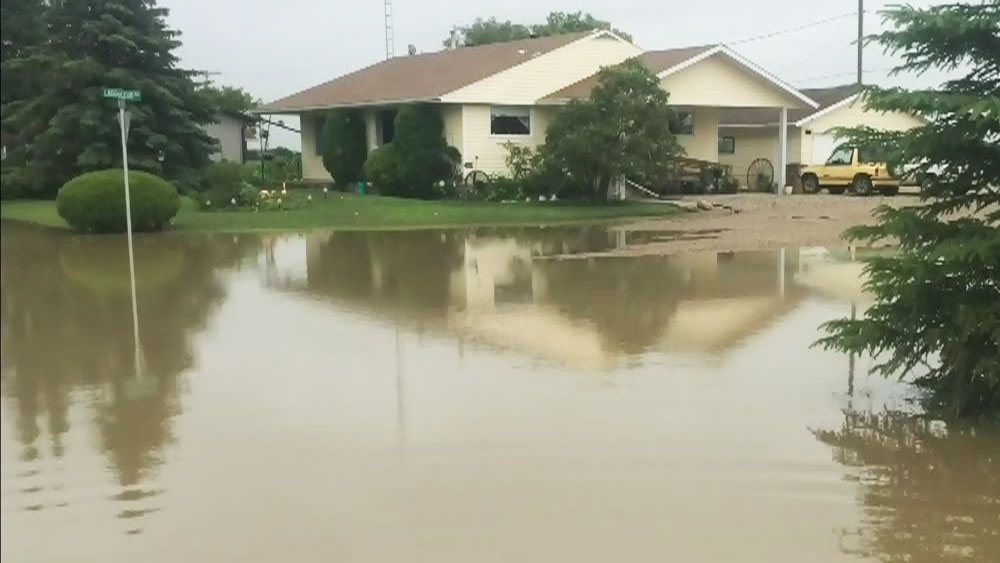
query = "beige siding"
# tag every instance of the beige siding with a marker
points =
(718, 81)
(704, 143)
(228, 131)
(451, 115)
(544, 74)
(854, 115)
(754, 143)
(487, 152)
(312, 163)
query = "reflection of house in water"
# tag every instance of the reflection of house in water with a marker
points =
(533, 291)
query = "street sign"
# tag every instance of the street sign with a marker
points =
(121, 94)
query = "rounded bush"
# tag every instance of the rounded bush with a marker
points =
(95, 202)
(384, 169)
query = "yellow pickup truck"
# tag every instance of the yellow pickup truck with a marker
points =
(851, 167)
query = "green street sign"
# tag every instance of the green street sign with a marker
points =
(121, 94)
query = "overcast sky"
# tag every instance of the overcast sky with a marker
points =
(273, 48)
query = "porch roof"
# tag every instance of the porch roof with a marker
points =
(761, 117)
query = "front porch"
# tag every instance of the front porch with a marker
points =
(702, 87)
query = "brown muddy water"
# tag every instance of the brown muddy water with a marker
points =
(480, 395)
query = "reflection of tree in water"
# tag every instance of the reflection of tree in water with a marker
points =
(398, 271)
(928, 494)
(67, 328)
(629, 300)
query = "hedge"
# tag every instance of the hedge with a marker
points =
(95, 202)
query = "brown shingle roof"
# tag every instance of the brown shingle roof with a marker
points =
(826, 97)
(419, 77)
(655, 61)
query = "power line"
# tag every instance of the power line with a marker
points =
(793, 29)
(839, 75)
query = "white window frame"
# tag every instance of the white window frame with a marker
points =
(679, 112)
(531, 117)
(721, 137)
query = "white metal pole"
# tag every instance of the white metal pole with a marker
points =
(128, 223)
(782, 150)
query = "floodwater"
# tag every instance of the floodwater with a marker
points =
(482, 395)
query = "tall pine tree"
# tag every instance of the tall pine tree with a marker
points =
(936, 318)
(67, 128)
(22, 32)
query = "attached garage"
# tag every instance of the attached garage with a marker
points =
(753, 133)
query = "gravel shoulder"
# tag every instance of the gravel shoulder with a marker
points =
(757, 222)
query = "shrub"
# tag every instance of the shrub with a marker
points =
(424, 158)
(344, 146)
(278, 200)
(222, 185)
(499, 188)
(95, 202)
(221, 174)
(384, 169)
(729, 185)
(223, 198)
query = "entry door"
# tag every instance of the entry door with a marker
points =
(822, 145)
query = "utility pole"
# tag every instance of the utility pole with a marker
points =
(861, 33)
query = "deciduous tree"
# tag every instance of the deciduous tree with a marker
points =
(491, 30)
(622, 130)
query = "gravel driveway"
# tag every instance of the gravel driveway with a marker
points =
(760, 221)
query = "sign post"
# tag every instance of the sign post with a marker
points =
(123, 122)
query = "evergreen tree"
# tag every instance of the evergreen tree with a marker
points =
(68, 128)
(344, 145)
(936, 318)
(21, 33)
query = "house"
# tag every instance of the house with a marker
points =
(748, 134)
(508, 92)
(229, 130)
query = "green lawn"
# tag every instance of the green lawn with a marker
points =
(344, 211)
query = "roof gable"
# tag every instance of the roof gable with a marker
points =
(825, 97)
(655, 61)
(423, 77)
(668, 62)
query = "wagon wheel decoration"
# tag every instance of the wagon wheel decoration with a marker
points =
(760, 175)
(476, 178)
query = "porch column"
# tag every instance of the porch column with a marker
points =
(782, 150)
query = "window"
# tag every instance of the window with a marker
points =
(727, 145)
(683, 123)
(871, 155)
(385, 126)
(510, 120)
(841, 155)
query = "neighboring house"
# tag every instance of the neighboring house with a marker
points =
(229, 131)
(749, 134)
(509, 92)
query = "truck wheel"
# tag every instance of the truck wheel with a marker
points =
(889, 191)
(837, 190)
(862, 185)
(810, 183)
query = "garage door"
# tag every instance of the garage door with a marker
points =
(822, 145)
